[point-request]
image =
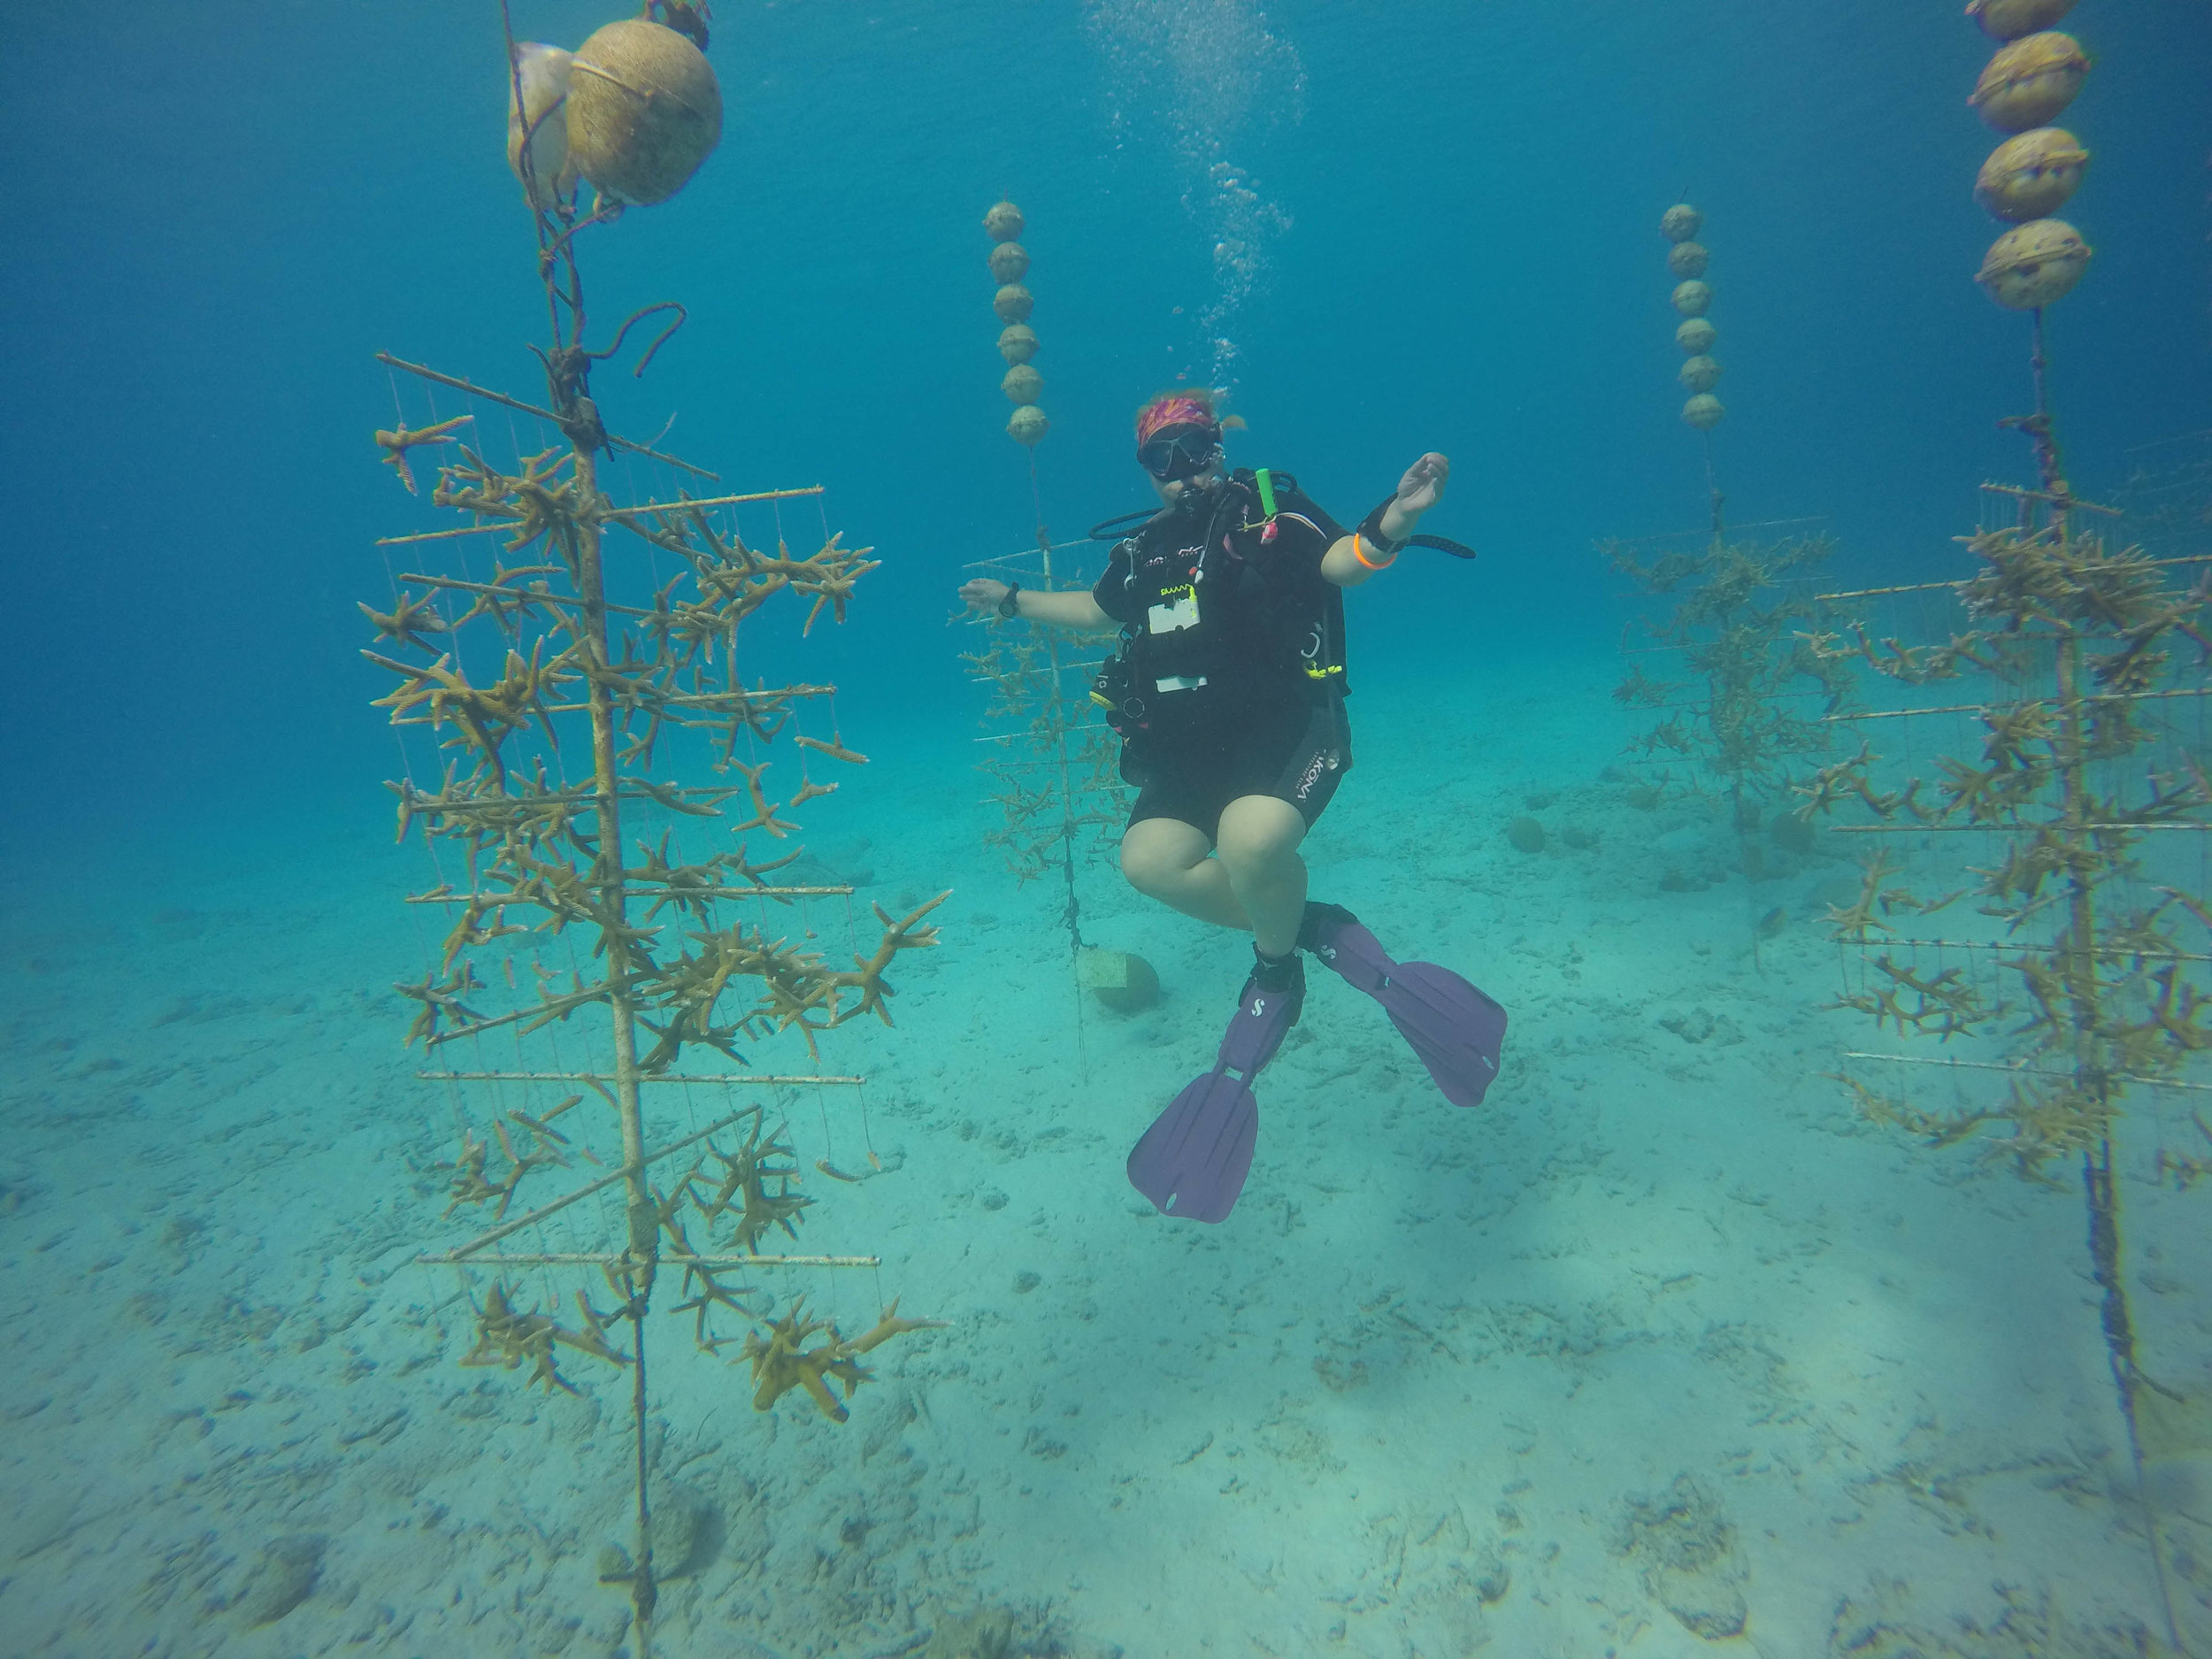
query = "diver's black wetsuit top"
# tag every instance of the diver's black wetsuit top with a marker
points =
(1269, 717)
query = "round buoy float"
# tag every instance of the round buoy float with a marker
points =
(644, 110)
(2009, 20)
(1703, 411)
(2031, 175)
(2031, 265)
(2030, 80)
(1699, 374)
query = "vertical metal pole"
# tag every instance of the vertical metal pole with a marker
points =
(2085, 991)
(644, 1223)
(1056, 701)
(1071, 911)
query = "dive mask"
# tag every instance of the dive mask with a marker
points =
(1181, 451)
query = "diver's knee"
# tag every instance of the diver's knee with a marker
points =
(1153, 864)
(1256, 841)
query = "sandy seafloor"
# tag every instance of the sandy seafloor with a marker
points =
(1660, 1338)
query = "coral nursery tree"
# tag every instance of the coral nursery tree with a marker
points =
(1049, 757)
(1734, 701)
(558, 680)
(2083, 983)
(2078, 995)
(1741, 708)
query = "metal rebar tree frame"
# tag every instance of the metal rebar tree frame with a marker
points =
(2093, 936)
(1052, 758)
(1736, 700)
(672, 973)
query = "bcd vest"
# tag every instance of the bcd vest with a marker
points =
(1212, 599)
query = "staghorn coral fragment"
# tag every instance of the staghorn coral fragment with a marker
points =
(783, 1362)
(397, 442)
(506, 1336)
(745, 1183)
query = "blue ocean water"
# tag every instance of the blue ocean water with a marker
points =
(1666, 1339)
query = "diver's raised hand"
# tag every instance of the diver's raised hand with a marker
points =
(1422, 486)
(981, 594)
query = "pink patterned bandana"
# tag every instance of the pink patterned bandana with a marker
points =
(1174, 411)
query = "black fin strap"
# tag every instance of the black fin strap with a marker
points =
(1370, 531)
(1457, 550)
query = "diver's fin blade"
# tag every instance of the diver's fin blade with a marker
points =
(1458, 1030)
(1193, 1161)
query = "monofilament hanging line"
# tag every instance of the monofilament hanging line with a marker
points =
(1713, 497)
(1071, 906)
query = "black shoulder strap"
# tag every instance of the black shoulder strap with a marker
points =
(1126, 525)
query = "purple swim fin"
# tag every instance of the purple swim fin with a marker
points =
(1458, 1030)
(1192, 1162)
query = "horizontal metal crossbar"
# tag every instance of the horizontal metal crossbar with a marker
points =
(485, 1239)
(610, 1259)
(670, 895)
(687, 502)
(2015, 828)
(748, 1078)
(2020, 1071)
(1929, 588)
(1014, 737)
(2027, 950)
(426, 803)
(1984, 708)
(505, 402)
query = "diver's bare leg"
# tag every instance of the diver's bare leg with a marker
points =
(1257, 875)
(1165, 859)
(1258, 848)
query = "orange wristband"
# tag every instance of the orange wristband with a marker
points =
(1360, 553)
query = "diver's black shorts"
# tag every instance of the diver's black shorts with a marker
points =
(1295, 750)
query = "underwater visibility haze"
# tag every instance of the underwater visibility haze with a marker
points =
(1714, 501)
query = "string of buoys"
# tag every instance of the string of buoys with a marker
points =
(1693, 298)
(635, 110)
(2031, 78)
(1017, 341)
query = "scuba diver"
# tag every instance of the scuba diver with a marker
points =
(1228, 694)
